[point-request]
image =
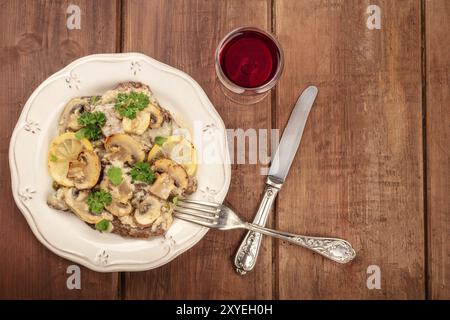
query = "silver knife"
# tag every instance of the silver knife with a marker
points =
(247, 253)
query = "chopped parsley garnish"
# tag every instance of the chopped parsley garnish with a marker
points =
(160, 140)
(115, 175)
(129, 104)
(91, 133)
(92, 118)
(97, 200)
(142, 172)
(175, 200)
(53, 158)
(102, 225)
(92, 123)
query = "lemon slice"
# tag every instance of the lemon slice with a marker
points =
(64, 149)
(178, 149)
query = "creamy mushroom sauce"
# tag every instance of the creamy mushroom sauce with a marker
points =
(137, 206)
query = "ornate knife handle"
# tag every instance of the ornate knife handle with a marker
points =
(247, 253)
(335, 249)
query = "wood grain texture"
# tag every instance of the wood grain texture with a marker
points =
(438, 146)
(34, 43)
(359, 172)
(185, 34)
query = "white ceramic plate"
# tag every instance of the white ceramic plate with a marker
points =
(65, 234)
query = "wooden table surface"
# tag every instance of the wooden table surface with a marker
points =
(374, 162)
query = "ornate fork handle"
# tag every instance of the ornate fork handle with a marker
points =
(335, 249)
(247, 253)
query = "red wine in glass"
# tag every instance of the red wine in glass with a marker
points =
(249, 61)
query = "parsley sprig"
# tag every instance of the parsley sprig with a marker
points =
(142, 172)
(129, 104)
(92, 123)
(97, 200)
(160, 140)
(115, 175)
(92, 118)
(102, 225)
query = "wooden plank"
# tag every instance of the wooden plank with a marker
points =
(438, 142)
(34, 43)
(358, 174)
(185, 34)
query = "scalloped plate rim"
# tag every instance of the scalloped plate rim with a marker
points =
(131, 266)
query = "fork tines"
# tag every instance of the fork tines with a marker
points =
(200, 212)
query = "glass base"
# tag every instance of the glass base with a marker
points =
(244, 99)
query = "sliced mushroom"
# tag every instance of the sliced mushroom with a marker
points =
(192, 186)
(69, 118)
(85, 171)
(121, 193)
(165, 219)
(76, 201)
(56, 200)
(148, 211)
(156, 116)
(175, 171)
(124, 148)
(125, 189)
(119, 209)
(162, 165)
(128, 220)
(163, 187)
(137, 125)
(180, 176)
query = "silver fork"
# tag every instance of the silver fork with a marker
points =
(219, 216)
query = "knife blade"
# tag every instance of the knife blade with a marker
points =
(292, 135)
(247, 253)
